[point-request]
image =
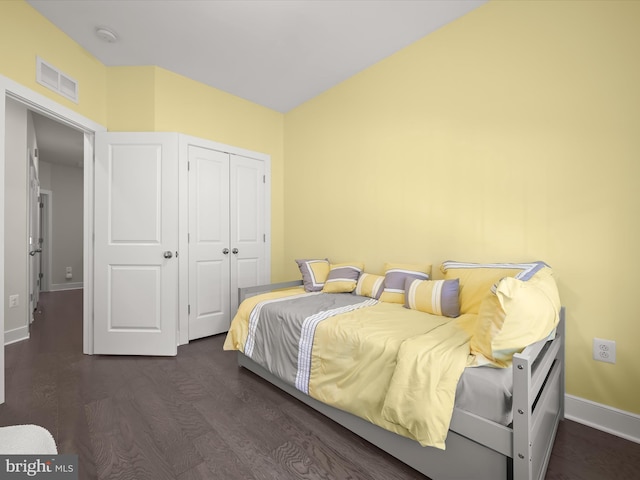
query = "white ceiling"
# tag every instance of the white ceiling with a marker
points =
(276, 53)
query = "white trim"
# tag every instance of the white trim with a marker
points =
(222, 147)
(47, 107)
(45, 284)
(16, 335)
(603, 417)
(88, 256)
(3, 98)
(182, 334)
(59, 287)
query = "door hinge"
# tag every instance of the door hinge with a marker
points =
(188, 166)
(40, 275)
(188, 309)
(264, 179)
(264, 237)
(188, 238)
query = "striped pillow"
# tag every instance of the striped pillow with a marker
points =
(343, 277)
(395, 276)
(438, 297)
(370, 285)
(477, 279)
(314, 273)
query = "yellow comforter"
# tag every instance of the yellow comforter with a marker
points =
(395, 367)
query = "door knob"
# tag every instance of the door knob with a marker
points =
(235, 250)
(225, 251)
(167, 254)
(33, 252)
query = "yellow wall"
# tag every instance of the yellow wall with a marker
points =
(510, 134)
(25, 34)
(145, 98)
(155, 99)
(191, 107)
(131, 99)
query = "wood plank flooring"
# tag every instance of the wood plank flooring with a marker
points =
(200, 416)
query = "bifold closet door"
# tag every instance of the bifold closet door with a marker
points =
(248, 242)
(209, 249)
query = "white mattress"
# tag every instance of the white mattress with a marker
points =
(487, 392)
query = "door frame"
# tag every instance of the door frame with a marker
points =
(50, 108)
(46, 213)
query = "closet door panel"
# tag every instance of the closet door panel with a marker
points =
(247, 186)
(209, 288)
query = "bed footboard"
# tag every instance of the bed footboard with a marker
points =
(538, 404)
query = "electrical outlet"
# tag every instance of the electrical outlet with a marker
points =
(604, 350)
(13, 301)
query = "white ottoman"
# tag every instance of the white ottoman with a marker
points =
(26, 440)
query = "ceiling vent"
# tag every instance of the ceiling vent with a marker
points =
(54, 79)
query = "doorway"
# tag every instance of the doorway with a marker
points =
(60, 172)
(10, 90)
(41, 152)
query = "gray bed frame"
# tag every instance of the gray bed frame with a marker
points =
(476, 448)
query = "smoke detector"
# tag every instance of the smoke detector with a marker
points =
(106, 35)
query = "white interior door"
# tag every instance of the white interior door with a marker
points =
(209, 250)
(248, 232)
(35, 242)
(136, 241)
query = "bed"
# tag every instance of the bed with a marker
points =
(516, 445)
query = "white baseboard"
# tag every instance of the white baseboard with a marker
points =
(602, 417)
(16, 335)
(58, 287)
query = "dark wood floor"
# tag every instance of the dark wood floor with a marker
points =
(198, 416)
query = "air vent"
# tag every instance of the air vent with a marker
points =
(55, 80)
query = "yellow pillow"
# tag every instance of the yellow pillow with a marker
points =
(370, 285)
(343, 277)
(476, 279)
(518, 314)
(395, 276)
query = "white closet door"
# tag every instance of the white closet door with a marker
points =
(136, 240)
(209, 250)
(247, 180)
